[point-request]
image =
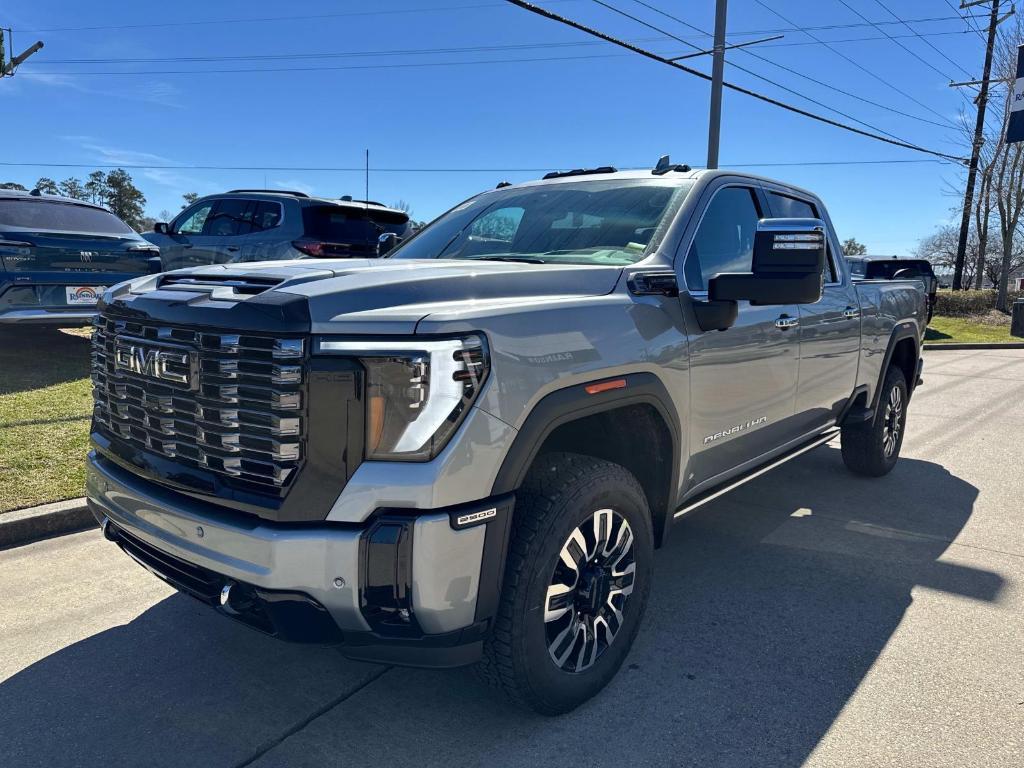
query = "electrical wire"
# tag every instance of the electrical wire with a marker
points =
(748, 71)
(362, 168)
(968, 18)
(732, 86)
(926, 41)
(795, 72)
(859, 66)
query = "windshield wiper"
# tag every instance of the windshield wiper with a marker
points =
(524, 259)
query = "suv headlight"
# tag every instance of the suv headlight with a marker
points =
(417, 391)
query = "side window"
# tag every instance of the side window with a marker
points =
(725, 238)
(231, 216)
(786, 207)
(267, 215)
(194, 219)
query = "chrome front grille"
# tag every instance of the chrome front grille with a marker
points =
(228, 403)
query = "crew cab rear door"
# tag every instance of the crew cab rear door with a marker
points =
(743, 380)
(829, 329)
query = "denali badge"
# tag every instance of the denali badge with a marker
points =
(733, 430)
(172, 364)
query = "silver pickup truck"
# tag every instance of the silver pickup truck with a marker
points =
(468, 452)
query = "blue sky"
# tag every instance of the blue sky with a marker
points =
(460, 109)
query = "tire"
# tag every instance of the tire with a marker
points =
(873, 448)
(561, 498)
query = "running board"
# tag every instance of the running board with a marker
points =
(711, 495)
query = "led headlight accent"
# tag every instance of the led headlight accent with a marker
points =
(417, 391)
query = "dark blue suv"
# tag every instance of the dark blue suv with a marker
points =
(57, 254)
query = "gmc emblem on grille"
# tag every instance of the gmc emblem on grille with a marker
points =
(172, 364)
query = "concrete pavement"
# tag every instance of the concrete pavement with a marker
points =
(809, 618)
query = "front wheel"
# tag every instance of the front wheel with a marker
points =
(576, 583)
(873, 448)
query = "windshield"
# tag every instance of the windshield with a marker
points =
(60, 217)
(615, 222)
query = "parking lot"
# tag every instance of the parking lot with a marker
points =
(810, 618)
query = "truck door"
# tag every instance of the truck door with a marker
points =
(743, 380)
(829, 329)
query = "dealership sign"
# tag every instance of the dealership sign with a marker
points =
(1015, 126)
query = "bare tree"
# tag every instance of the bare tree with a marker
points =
(940, 249)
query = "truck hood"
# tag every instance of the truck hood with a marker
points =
(373, 296)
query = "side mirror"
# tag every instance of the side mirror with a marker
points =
(386, 242)
(162, 228)
(788, 265)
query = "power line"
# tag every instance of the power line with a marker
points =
(293, 17)
(968, 18)
(859, 66)
(796, 72)
(391, 12)
(362, 168)
(741, 68)
(896, 42)
(427, 51)
(927, 42)
(732, 86)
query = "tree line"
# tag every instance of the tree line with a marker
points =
(995, 246)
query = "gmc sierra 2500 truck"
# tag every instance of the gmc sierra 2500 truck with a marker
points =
(469, 451)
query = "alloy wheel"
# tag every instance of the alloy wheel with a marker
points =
(588, 590)
(893, 421)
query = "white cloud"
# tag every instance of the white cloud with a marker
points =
(292, 184)
(168, 177)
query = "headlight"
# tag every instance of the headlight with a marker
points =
(417, 391)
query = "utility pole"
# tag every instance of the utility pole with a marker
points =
(7, 67)
(979, 140)
(717, 75)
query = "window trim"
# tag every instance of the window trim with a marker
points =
(759, 202)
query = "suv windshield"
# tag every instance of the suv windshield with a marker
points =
(60, 217)
(615, 222)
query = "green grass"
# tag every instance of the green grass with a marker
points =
(952, 330)
(45, 406)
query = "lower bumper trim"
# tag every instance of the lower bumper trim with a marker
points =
(55, 317)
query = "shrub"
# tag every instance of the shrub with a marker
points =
(964, 303)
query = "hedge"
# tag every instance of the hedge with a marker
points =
(963, 303)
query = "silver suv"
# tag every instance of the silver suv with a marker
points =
(267, 225)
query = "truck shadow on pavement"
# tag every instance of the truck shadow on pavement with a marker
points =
(769, 607)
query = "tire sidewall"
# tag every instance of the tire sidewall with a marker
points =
(894, 379)
(552, 687)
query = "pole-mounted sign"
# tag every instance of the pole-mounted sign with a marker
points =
(1015, 126)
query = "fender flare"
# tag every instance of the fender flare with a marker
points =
(904, 329)
(572, 403)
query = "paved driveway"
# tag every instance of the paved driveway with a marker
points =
(810, 618)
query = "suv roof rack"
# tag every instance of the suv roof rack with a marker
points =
(579, 172)
(665, 165)
(271, 191)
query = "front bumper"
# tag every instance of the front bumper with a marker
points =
(428, 602)
(40, 316)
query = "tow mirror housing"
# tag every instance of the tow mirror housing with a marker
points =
(788, 265)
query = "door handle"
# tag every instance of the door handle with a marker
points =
(851, 313)
(786, 322)
(233, 248)
(187, 245)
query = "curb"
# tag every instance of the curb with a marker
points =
(32, 523)
(993, 345)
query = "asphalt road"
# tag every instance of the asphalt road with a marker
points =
(810, 618)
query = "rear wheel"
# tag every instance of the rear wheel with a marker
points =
(872, 448)
(576, 583)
